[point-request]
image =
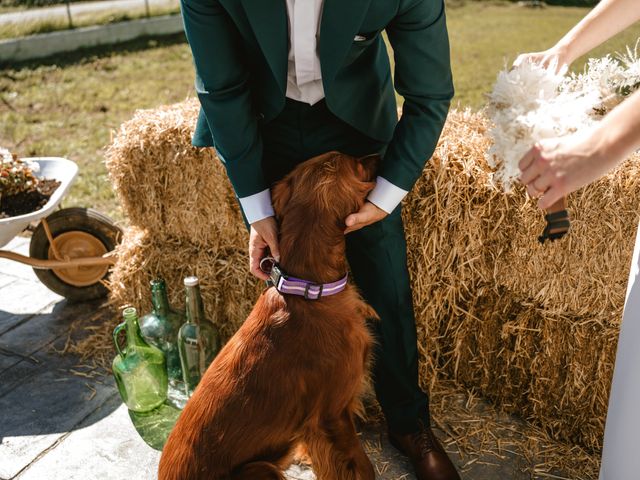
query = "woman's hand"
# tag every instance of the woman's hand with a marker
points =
(556, 167)
(553, 168)
(263, 240)
(556, 56)
(368, 214)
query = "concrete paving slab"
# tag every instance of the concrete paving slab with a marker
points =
(19, 244)
(26, 296)
(17, 269)
(21, 299)
(6, 361)
(15, 371)
(30, 336)
(104, 447)
(40, 411)
(43, 328)
(6, 280)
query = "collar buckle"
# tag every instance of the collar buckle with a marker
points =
(318, 295)
(277, 276)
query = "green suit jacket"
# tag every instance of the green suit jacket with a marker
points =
(240, 50)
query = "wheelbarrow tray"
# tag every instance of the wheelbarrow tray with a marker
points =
(55, 168)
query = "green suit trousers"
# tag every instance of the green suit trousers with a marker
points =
(376, 254)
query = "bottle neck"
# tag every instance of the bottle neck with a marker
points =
(159, 300)
(194, 305)
(134, 335)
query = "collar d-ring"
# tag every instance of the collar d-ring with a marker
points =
(267, 264)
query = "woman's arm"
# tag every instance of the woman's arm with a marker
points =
(557, 167)
(603, 22)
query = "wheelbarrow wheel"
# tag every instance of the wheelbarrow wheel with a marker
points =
(76, 232)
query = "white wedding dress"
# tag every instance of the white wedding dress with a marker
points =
(621, 454)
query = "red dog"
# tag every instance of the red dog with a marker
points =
(294, 371)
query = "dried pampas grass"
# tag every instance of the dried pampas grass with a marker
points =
(531, 103)
(527, 104)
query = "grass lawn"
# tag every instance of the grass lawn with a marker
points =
(486, 37)
(31, 27)
(69, 109)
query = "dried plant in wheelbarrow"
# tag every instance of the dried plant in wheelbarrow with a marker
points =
(20, 190)
(530, 103)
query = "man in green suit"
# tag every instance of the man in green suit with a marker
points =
(281, 81)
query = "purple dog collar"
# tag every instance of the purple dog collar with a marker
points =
(296, 286)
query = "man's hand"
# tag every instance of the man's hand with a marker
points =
(263, 239)
(367, 215)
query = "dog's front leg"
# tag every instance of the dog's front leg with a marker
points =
(336, 452)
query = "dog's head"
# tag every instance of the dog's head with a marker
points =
(330, 186)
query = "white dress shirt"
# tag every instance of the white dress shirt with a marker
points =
(304, 77)
(304, 84)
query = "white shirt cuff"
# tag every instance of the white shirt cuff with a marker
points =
(385, 195)
(257, 206)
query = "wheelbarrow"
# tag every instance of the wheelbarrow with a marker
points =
(71, 249)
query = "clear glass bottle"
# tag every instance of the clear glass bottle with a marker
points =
(160, 329)
(198, 338)
(139, 369)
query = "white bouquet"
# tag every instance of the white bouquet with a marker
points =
(530, 103)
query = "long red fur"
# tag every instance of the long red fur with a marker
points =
(295, 370)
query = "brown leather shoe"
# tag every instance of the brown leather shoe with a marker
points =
(427, 456)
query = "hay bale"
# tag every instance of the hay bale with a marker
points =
(169, 187)
(532, 327)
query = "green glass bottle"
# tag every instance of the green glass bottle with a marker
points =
(160, 329)
(198, 338)
(139, 369)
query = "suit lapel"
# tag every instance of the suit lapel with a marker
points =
(341, 20)
(268, 19)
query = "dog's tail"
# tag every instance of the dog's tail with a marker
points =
(258, 471)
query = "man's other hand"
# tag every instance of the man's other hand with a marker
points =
(367, 215)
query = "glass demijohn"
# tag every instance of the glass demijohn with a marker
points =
(139, 368)
(160, 329)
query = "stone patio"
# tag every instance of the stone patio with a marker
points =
(62, 420)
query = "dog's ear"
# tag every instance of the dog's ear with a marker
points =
(281, 194)
(367, 167)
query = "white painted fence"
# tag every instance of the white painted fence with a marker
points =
(47, 44)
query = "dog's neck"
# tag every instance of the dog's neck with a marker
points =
(312, 248)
